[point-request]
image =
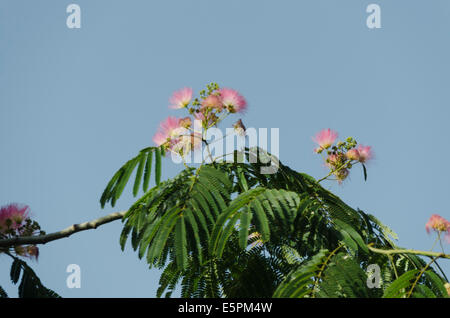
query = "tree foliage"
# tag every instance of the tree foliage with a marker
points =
(225, 229)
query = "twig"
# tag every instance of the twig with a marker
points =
(42, 239)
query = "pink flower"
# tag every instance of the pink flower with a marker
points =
(438, 224)
(353, 154)
(168, 129)
(186, 143)
(332, 161)
(12, 216)
(180, 98)
(365, 153)
(325, 139)
(232, 100)
(201, 116)
(213, 101)
(186, 122)
(175, 136)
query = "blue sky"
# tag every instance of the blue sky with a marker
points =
(75, 104)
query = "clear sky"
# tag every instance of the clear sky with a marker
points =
(75, 104)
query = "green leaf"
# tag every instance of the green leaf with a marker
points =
(140, 170)
(16, 268)
(229, 228)
(3, 293)
(180, 243)
(244, 225)
(299, 282)
(262, 225)
(342, 226)
(157, 166)
(167, 223)
(234, 206)
(195, 230)
(398, 287)
(437, 284)
(123, 180)
(147, 171)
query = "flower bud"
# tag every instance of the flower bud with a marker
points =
(353, 154)
(239, 128)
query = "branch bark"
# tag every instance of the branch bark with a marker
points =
(409, 251)
(75, 228)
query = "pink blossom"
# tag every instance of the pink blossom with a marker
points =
(186, 122)
(12, 216)
(365, 153)
(332, 160)
(201, 116)
(232, 100)
(212, 101)
(168, 129)
(180, 98)
(325, 138)
(353, 154)
(438, 224)
(186, 143)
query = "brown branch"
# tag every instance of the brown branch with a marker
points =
(42, 239)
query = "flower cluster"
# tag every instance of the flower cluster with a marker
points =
(15, 222)
(341, 157)
(438, 224)
(213, 105)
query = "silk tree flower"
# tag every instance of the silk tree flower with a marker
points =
(341, 175)
(31, 251)
(186, 143)
(212, 102)
(334, 161)
(325, 138)
(353, 154)
(365, 153)
(232, 100)
(12, 217)
(331, 160)
(168, 130)
(438, 224)
(186, 122)
(201, 116)
(180, 98)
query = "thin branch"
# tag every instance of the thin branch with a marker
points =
(408, 251)
(42, 239)
(420, 275)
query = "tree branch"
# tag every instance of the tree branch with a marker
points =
(42, 239)
(409, 251)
